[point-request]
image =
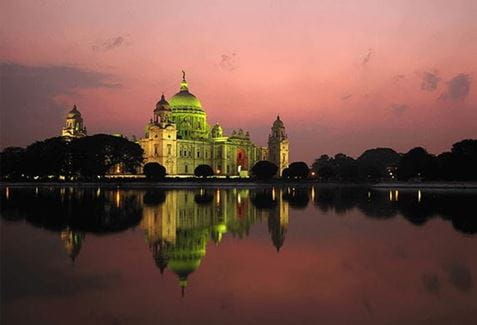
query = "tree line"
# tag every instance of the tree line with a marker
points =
(94, 156)
(385, 164)
(83, 158)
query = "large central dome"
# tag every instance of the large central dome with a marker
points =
(184, 100)
(188, 115)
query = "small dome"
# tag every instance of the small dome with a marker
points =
(278, 122)
(217, 131)
(162, 104)
(73, 113)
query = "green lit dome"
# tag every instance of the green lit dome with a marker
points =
(183, 267)
(184, 99)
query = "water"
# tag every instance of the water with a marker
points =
(238, 256)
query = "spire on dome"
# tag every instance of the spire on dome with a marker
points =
(184, 85)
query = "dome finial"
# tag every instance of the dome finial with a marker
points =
(184, 86)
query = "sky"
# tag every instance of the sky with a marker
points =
(344, 76)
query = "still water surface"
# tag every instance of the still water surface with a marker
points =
(238, 256)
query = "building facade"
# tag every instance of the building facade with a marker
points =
(180, 138)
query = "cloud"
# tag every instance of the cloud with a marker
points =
(108, 44)
(430, 81)
(28, 97)
(398, 109)
(367, 57)
(398, 78)
(228, 62)
(460, 277)
(457, 88)
(346, 97)
(431, 283)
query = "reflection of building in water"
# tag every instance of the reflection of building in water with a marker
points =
(72, 241)
(278, 223)
(179, 228)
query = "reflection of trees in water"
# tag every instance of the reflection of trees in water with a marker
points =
(296, 197)
(154, 197)
(415, 206)
(73, 212)
(85, 210)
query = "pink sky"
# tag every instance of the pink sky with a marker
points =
(343, 75)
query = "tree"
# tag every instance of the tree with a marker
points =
(264, 169)
(203, 171)
(12, 163)
(286, 173)
(465, 159)
(298, 169)
(417, 163)
(373, 164)
(346, 168)
(96, 155)
(154, 171)
(324, 168)
(50, 157)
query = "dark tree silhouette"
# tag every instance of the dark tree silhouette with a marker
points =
(374, 164)
(12, 163)
(465, 159)
(154, 171)
(96, 155)
(346, 168)
(203, 171)
(51, 157)
(264, 169)
(324, 168)
(286, 173)
(298, 169)
(417, 163)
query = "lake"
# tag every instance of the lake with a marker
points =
(329, 255)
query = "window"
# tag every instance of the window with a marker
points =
(198, 154)
(156, 149)
(186, 170)
(169, 149)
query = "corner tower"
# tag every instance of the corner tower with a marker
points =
(74, 125)
(160, 139)
(278, 146)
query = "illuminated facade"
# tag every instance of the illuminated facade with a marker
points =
(74, 127)
(179, 138)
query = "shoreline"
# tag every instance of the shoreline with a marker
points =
(238, 184)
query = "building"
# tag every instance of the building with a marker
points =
(74, 127)
(180, 138)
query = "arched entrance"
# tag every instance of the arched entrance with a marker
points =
(242, 159)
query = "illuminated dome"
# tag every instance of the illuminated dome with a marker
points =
(184, 100)
(74, 113)
(162, 105)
